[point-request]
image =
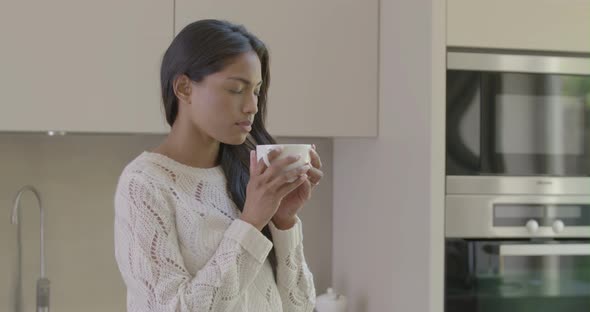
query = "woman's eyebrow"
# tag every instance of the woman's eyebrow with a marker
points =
(246, 81)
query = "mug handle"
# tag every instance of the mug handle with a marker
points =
(265, 157)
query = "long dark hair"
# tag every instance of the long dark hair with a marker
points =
(203, 48)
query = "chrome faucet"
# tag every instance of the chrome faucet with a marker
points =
(42, 282)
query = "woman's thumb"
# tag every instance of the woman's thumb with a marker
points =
(252, 162)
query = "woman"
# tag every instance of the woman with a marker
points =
(201, 225)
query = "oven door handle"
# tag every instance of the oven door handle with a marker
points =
(528, 250)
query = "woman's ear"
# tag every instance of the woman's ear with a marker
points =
(182, 89)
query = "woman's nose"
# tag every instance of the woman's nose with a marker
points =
(251, 105)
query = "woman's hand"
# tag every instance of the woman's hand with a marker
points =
(285, 217)
(268, 186)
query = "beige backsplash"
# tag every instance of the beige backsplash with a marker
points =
(76, 175)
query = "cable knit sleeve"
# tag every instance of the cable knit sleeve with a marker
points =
(294, 279)
(150, 261)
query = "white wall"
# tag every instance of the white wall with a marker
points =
(389, 191)
(77, 176)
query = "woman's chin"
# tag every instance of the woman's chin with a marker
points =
(237, 140)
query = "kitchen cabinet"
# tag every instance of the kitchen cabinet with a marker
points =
(83, 66)
(324, 60)
(546, 25)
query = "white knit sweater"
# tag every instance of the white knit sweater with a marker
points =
(181, 246)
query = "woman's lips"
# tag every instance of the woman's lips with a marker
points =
(245, 125)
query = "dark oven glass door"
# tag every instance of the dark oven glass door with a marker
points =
(517, 124)
(517, 276)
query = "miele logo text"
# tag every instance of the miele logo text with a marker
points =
(544, 182)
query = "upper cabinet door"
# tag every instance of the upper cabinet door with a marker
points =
(546, 25)
(83, 66)
(324, 60)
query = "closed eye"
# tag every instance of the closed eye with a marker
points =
(241, 91)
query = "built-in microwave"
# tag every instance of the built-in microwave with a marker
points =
(511, 115)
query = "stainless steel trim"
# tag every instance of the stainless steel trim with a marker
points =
(472, 216)
(517, 185)
(518, 63)
(545, 250)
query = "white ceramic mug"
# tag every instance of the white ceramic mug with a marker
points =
(302, 150)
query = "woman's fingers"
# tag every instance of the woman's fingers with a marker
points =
(278, 166)
(289, 176)
(290, 187)
(314, 176)
(316, 161)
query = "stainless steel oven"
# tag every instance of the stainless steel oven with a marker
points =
(514, 115)
(517, 253)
